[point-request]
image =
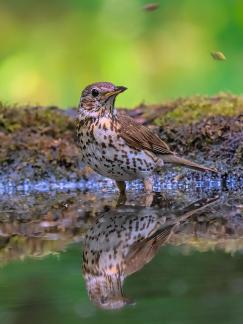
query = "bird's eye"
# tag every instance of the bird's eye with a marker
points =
(95, 92)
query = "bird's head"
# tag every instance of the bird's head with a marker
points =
(105, 291)
(100, 97)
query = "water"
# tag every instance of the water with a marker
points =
(177, 261)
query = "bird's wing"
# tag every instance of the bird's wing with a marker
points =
(141, 137)
(142, 252)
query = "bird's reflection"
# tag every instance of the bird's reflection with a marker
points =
(121, 242)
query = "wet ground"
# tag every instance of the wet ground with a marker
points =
(39, 143)
(68, 253)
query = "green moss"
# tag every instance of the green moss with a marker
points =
(193, 109)
(16, 118)
(39, 142)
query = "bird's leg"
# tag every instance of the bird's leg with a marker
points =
(122, 188)
(159, 165)
(148, 188)
(148, 185)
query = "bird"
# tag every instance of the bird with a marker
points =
(120, 243)
(114, 145)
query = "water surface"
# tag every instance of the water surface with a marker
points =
(182, 270)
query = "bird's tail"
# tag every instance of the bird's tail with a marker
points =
(174, 159)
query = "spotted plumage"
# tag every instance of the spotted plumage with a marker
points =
(116, 247)
(116, 146)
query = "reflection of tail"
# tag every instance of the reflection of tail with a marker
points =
(164, 232)
(143, 251)
(196, 206)
(186, 163)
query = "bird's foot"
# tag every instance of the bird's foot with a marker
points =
(121, 199)
(122, 196)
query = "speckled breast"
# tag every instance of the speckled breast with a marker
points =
(111, 238)
(106, 152)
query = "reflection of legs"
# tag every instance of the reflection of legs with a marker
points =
(122, 188)
(148, 188)
(148, 185)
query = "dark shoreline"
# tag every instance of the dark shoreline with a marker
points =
(39, 142)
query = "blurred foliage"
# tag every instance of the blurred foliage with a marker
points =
(49, 50)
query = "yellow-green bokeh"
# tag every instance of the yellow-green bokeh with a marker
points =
(49, 50)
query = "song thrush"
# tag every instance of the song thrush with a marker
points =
(115, 145)
(116, 247)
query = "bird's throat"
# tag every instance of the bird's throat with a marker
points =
(110, 105)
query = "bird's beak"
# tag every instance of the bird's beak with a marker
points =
(120, 89)
(116, 91)
(113, 94)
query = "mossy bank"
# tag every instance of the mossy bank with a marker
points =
(39, 142)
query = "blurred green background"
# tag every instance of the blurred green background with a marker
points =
(49, 50)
